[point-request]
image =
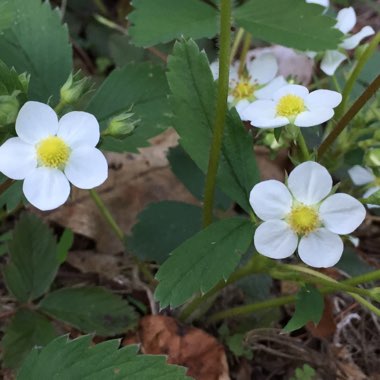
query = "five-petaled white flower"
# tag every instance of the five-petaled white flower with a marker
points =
(364, 176)
(293, 104)
(304, 214)
(48, 153)
(258, 82)
(346, 20)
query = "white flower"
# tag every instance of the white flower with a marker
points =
(259, 81)
(48, 153)
(346, 20)
(303, 214)
(363, 176)
(293, 104)
(324, 3)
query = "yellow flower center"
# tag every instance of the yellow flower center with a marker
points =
(290, 105)
(243, 90)
(303, 219)
(53, 152)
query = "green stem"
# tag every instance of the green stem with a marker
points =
(59, 107)
(362, 279)
(348, 116)
(107, 215)
(236, 43)
(244, 51)
(119, 233)
(221, 109)
(372, 46)
(303, 147)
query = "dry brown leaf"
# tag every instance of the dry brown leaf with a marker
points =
(190, 347)
(327, 325)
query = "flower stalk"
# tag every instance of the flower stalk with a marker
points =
(221, 109)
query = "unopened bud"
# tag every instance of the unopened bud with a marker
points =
(74, 88)
(121, 125)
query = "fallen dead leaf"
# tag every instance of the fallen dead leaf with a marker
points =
(327, 325)
(190, 347)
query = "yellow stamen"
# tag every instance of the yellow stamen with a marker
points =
(303, 219)
(53, 152)
(290, 105)
(243, 90)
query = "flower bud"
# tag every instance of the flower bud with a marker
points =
(9, 107)
(121, 125)
(74, 88)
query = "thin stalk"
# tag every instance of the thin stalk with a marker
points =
(244, 51)
(303, 147)
(362, 279)
(221, 109)
(366, 55)
(348, 116)
(236, 43)
(119, 232)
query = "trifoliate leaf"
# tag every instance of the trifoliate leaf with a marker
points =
(33, 259)
(156, 21)
(162, 227)
(37, 43)
(91, 310)
(193, 103)
(292, 23)
(140, 89)
(203, 260)
(309, 307)
(26, 330)
(78, 359)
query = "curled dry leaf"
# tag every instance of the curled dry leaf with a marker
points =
(190, 347)
(327, 325)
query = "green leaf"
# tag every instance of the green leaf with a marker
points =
(12, 197)
(162, 227)
(9, 80)
(202, 261)
(193, 104)
(78, 359)
(142, 87)
(192, 177)
(292, 23)
(155, 21)
(90, 310)
(352, 263)
(33, 259)
(6, 14)
(64, 244)
(37, 43)
(26, 330)
(309, 307)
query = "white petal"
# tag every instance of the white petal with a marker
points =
(341, 213)
(321, 249)
(270, 200)
(263, 69)
(360, 175)
(294, 89)
(46, 188)
(369, 192)
(323, 98)
(241, 107)
(331, 61)
(268, 91)
(310, 182)
(17, 158)
(346, 20)
(275, 239)
(87, 168)
(262, 114)
(79, 128)
(36, 121)
(324, 3)
(314, 117)
(353, 41)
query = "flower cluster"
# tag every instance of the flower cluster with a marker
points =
(304, 214)
(257, 81)
(48, 154)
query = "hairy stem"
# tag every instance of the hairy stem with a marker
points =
(303, 147)
(348, 116)
(221, 109)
